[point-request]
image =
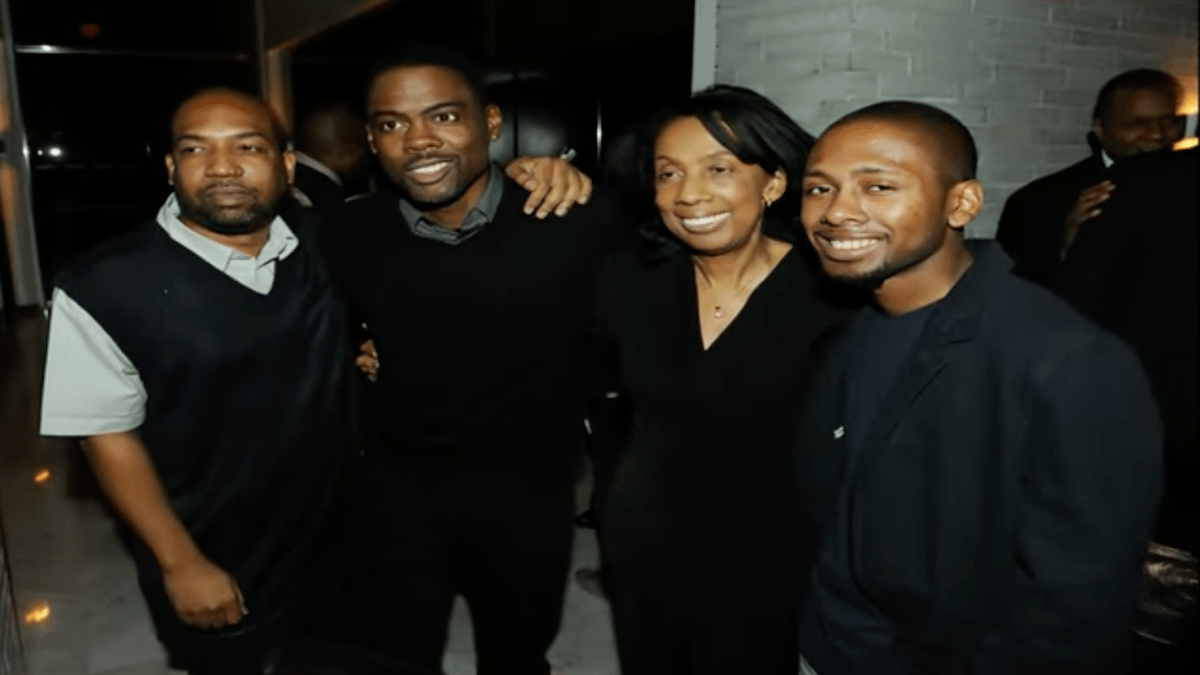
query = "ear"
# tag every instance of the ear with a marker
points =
(170, 162)
(371, 140)
(494, 122)
(775, 187)
(289, 165)
(963, 203)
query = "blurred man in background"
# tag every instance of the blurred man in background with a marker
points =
(333, 161)
(1135, 113)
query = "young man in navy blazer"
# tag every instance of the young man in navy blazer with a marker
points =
(998, 456)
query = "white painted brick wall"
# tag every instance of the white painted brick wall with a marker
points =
(1022, 74)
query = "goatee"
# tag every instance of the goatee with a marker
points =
(245, 220)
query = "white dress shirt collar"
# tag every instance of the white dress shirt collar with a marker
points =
(281, 241)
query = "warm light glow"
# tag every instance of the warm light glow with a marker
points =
(39, 613)
(41, 476)
(90, 30)
(1188, 109)
(1188, 105)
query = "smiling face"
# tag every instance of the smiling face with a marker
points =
(226, 165)
(879, 209)
(431, 133)
(708, 198)
(1139, 120)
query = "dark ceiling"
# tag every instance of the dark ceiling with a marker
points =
(522, 27)
(208, 26)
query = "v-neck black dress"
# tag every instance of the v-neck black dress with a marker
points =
(705, 500)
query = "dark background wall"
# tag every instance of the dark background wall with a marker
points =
(98, 80)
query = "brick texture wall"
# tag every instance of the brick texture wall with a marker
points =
(1021, 74)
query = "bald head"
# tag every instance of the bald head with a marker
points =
(947, 140)
(204, 103)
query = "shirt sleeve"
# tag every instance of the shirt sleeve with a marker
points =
(90, 386)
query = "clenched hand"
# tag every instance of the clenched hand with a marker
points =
(204, 595)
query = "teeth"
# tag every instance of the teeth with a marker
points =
(429, 168)
(851, 244)
(704, 221)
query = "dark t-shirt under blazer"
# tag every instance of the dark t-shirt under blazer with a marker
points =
(483, 345)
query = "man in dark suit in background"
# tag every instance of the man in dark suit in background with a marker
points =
(1135, 112)
(1134, 272)
(999, 455)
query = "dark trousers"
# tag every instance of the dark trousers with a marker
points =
(609, 420)
(244, 649)
(426, 528)
(676, 633)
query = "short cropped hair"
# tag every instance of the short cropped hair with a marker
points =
(956, 146)
(747, 124)
(442, 55)
(282, 138)
(1142, 78)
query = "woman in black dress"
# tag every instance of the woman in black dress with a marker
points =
(706, 535)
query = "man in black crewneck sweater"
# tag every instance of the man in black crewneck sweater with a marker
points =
(480, 313)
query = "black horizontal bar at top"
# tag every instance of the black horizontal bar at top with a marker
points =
(137, 53)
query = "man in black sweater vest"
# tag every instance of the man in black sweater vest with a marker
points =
(480, 312)
(204, 357)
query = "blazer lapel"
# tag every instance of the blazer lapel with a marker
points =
(956, 320)
(928, 361)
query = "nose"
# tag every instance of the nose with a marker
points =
(843, 209)
(691, 190)
(223, 163)
(1156, 129)
(420, 138)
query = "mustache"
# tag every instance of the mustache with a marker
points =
(225, 186)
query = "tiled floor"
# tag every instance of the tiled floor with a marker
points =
(64, 552)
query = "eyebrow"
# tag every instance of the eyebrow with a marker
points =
(240, 135)
(869, 169)
(431, 109)
(711, 155)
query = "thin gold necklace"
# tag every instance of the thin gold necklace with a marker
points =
(718, 312)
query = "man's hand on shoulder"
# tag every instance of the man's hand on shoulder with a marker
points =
(203, 594)
(553, 184)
